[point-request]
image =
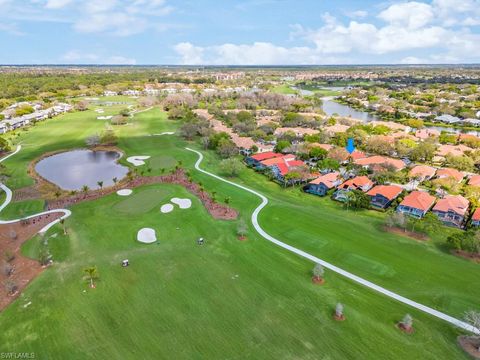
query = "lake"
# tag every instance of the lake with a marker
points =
(73, 169)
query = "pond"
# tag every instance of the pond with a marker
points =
(73, 169)
(331, 107)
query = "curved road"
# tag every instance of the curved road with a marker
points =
(357, 279)
(8, 199)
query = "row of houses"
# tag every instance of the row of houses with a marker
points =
(38, 115)
(452, 210)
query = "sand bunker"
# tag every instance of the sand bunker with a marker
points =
(182, 203)
(165, 133)
(166, 208)
(104, 117)
(137, 160)
(124, 192)
(146, 235)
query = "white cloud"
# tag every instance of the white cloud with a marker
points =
(358, 14)
(11, 29)
(410, 14)
(80, 57)
(57, 4)
(407, 28)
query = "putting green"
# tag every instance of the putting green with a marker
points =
(143, 200)
(162, 162)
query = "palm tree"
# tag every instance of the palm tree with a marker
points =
(115, 180)
(318, 272)
(57, 194)
(100, 184)
(62, 221)
(85, 188)
(91, 274)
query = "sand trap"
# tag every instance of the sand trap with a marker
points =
(104, 117)
(146, 235)
(100, 111)
(137, 160)
(166, 208)
(124, 192)
(165, 133)
(182, 203)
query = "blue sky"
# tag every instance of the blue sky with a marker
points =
(250, 32)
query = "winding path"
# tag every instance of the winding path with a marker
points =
(357, 279)
(9, 196)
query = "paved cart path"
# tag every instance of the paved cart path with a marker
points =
(8, 199)
(357, 279)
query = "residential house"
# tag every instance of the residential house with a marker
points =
(3, 127)
(381, 196)
(455, 150)
(474, 180)
(476, 218)
(446, 173)
(255, 160)
(362, 183)
(110, 93)
(423, 134)
(452, 210)
(321, 185)
(376, 161)
(298, 131)
(422, 172)
(448, 119)
(416, 204)
(282, 168)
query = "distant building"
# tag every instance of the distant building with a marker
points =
(361, 183)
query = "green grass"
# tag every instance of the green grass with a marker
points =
(284, 89)
(162, 162)
(144, 201)
(226, 299)
(21, 208)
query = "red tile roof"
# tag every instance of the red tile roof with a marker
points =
(476, 215)
(423, 171)
(389, 191)
(357, 182)
(278, 160)
(379, 160)
(448, 172)
(474, 180)
(457, 204)
(356, 155)
(266, 155)
(419, 200)
(286, 166)
(329, 179)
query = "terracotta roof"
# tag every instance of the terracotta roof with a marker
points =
(379, 160)
(328, 179)
(278, 160)
(389, 191)
(457, 204)
(356, 155)
(357, 182)
(455, 150)
(299, 131)
(266, 155)
(326, 147)
(448, 172)
(474, 180)
(426, 133)
(286, 166)
(419, 200)
(423, 171)
(476, 215)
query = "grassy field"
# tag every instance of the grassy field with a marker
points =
(226, 299)
(284, 89)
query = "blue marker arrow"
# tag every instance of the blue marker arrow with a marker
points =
(350, 145)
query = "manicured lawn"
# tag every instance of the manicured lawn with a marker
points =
(284, 89)
(225, 299)
(21, 208)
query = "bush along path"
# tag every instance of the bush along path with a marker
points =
(461, 324)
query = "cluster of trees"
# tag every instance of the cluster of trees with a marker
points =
(4, 145)
(468, 241)
(429, 224)
(106, 137)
